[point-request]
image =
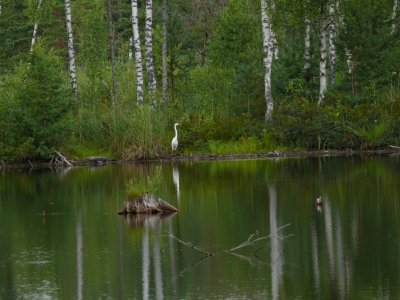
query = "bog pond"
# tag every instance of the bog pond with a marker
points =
(60, 237)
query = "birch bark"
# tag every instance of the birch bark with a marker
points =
(268, 44)
(151, 77)
(35, 28)
(332, 47)
(322, 62)
(307, 49)
(394, 15)
(71, 49)
(349, 55)
(138, 53)
(130, 48)
(164, 50)
(112, 53)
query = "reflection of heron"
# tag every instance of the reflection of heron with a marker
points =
(318, 203)
(174, 143)
(175, 178)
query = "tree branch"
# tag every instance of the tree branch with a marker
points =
(190, 245)
(253, 238)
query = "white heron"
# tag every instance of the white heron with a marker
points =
(174, 143)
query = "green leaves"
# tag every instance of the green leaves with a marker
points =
(35, 115)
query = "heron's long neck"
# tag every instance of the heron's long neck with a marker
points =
(176, 131)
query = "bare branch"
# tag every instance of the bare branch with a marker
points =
(253, 238)
(190, 245)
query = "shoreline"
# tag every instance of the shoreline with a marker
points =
(28, 165)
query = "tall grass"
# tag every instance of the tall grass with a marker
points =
(128, 133)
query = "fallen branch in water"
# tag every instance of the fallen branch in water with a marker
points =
(190, 245)
(253, 238)
(394, 147)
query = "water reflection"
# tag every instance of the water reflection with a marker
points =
(79, 256)
(147, 220)
(276, 244)
(175, 178)
(348, 250)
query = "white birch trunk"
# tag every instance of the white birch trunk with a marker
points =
(71, 49)
(130, 55)
(151, 77)
(1, 8)
(394, 15)
(268, 56)
(332, 47)
(273, 36)
(307, 49)
(138, 53)
(322, 62)
(349, 55)
(164, 50)
(35, 28)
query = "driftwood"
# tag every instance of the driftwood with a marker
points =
(190, 245)
(146, 204)
(60, 160)
(253, 238)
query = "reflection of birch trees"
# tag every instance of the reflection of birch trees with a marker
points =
(146, 261)
(276, 244)
(145, 264)
(79, 257)
(339, 265)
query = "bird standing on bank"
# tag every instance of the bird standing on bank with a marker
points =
(174, 143)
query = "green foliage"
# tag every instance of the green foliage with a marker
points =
(143, 185)
(128, 132)
(35, 108)
(215, 87)
(242, 146)
(236, 45)
(337, 125)
(207, 92)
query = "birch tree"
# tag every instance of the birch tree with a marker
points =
(307, 49)
(164, 50)
(322, 48)
(71, 49)
(114, 94)
(268, 45)
(332, 47)
(349, 55)
(394, 15)
(151, 77)
(130, 48)
(138, 53)
(35, 27)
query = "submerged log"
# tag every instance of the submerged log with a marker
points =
(146, 204)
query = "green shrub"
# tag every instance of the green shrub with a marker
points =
(142, 185)
(35, 108)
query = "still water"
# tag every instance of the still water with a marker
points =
(60, 237)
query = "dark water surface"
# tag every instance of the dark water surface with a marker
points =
(61, 239)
